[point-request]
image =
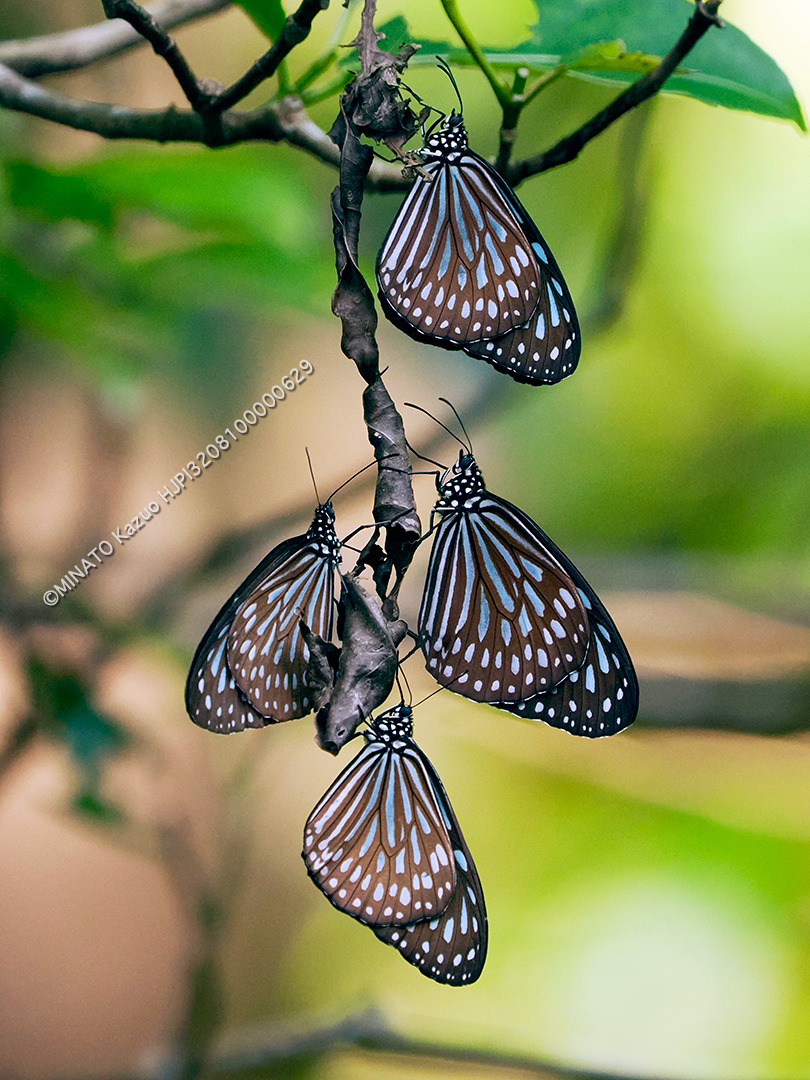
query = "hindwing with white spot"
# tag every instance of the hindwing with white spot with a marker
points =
(451, 948)
(213, 699)
(602, 697)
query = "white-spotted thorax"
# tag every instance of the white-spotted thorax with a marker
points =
(322, 533)
(448, 143)
(465, 480)
(392, 727)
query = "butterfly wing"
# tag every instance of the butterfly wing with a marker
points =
(377, 844)
(458, 264)
(501, 617)
(546, 349)
(452, 947)
(213, 699)
(267, 653)
(602, 697)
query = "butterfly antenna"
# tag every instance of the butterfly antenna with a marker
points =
(423, 458)
(355, 475)
(433, 693)
(445, 67)
(421, 100)
(312, 474)
(407, 685)
(452, 434)
(460, 421)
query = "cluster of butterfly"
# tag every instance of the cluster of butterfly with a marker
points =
(505, 617)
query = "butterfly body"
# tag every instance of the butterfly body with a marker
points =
(464, 267)
(507, 619)
(248, 670)
(384, 845)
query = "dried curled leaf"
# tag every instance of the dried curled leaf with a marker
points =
(367, 666)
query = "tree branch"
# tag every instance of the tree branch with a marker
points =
(121, 122)
(74, 49)
(163, 44)
(295, 30)
(279, 121)
(704, 17)
(369, 1031)
(207, 97)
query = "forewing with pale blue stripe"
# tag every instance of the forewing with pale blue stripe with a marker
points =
(266, 650)
(377, 843)
(501, 618)
(244, 677)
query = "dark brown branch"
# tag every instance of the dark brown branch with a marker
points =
(207, 97)
(704, 17)
(163, 44)
(295, 30)
(74, 49)
(120, 122)
(280, 121)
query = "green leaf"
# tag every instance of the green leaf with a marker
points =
(725, 67)
(65, 710)
(268, 15)
(158, 259)
(48, 198)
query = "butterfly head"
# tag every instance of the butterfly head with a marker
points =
(449, 140)
(465, 479)
(322, 532)
(392, 726)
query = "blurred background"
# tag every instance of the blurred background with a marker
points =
(648, 895)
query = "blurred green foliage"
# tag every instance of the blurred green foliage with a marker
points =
(152, 263)
(600, 39)
(62, 706)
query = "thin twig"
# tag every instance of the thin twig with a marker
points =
(476, 52)
(703, 19)
(295, 30)
(620, 256)
(369, 1032)
(163, 44)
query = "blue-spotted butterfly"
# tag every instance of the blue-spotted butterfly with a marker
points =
(507, 619)
(384, 845)
(463, 266)
(248, 670)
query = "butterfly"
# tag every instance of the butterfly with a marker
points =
(248, 670)
(384, 845)
(463, 266)
(507, 619)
